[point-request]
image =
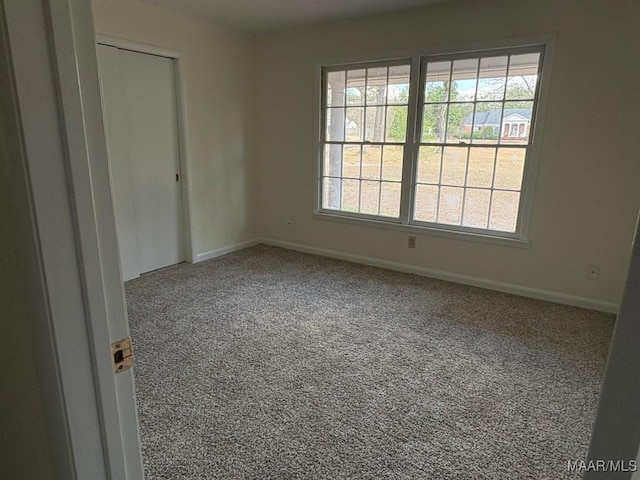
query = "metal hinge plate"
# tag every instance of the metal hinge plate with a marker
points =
(122, 354)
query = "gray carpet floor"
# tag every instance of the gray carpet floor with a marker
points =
(274, 364)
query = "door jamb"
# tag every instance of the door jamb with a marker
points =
(64, 196)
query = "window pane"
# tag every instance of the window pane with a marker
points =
(523, 76)
(390, 199)
(350, 195)
(450, 206)
(504, 211)
(396, 124)
(476, 208)
(335, 124)
(454, 166)
(464, 78)
(475, 126)
(331, 193)
(436, 88)
(375, 124)
(371, 161)
(357, 112)
(398, 90)
(434, 123)
(480, 172)
(429, 164)
(459, 113)
(354, 124)
(486, 122)
(332, 161)
(351, 161)
(376, 86)
(492, 79)
(355, 87)
(369, 197)
(426, 203)
(509, 168)
(392, 162)
(516, 123)
(336, 89)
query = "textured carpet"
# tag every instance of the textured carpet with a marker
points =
(268, 363)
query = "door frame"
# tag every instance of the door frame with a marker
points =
(183, 135)
(60, 192)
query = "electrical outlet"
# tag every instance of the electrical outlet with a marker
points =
(411, 243)
(593, 272)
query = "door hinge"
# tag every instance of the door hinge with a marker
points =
(177, 177)
(122, 354)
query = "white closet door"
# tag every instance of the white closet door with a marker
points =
(144, 157)
(119, 161)
(152, 127)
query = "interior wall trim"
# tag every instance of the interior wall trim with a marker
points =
(201, 257)
(539, 294)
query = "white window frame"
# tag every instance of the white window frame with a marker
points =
(411, 111)
(520, 238)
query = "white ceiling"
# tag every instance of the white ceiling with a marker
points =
(265, 15)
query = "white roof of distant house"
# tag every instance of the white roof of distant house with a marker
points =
(492, 117)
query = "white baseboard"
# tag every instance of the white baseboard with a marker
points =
(547, 295)
(201, 257)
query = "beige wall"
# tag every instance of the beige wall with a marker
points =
(216, 74)
(588, 188)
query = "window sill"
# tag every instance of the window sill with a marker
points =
(421, 230)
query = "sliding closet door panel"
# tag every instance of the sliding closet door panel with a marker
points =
(152, 140)
(119, 162)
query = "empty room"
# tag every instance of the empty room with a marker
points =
(369, 239)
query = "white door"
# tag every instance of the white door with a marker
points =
(139, 103)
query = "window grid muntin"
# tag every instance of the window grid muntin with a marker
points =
(364, 105)
(423, 103)
(473, 119)
(419, 84)
(465, 187)
(509, 52)
(326, 70)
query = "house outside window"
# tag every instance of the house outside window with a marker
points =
(439, 142)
